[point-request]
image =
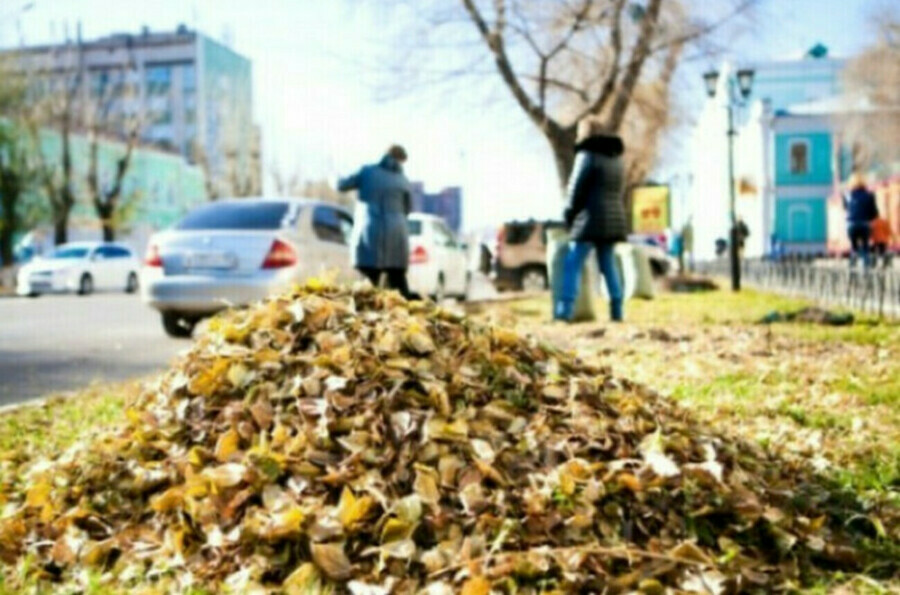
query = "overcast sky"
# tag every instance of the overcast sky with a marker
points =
(321, 112)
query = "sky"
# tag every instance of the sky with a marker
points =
(320, 100)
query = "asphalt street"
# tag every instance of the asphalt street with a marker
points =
(62, 343)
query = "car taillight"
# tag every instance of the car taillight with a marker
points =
(419, 255)
(152, 258)
(280, 255)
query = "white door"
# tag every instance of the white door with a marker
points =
(102, 268)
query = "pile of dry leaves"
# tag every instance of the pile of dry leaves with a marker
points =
(349, 440)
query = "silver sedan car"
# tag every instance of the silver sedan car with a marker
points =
(236, 251)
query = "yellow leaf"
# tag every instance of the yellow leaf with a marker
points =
(38, 495)
(629, 481)
(395, 529)
(426, 487)
(169, 500)
(286, 523)
(477, 585)
(331, 559)
(352, 509)
(227, 445)
(208, 380)
(306, 580)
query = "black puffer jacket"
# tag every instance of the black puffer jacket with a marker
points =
(595, 211)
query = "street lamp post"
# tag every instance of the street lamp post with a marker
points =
(737, 88)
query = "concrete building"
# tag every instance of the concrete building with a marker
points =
(447, 204)
(192, 95)
(788, 159)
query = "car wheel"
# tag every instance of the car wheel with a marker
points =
(178, 325)
(468, 287)
(86, 285)
(132, 284)
(33, 295)
(440, 292)
(534, 279)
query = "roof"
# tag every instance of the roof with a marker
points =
(296, 200)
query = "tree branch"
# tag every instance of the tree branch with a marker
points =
(609, 83)
(495, 43)
(636, 64)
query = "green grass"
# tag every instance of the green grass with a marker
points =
(58, 422)
(791, 377)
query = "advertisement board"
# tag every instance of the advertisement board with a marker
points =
(650, 212)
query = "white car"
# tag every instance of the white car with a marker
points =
(80, 267)
(438, 263)
(237, 251)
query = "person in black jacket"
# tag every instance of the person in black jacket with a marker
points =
(594, 215)
(861, 211)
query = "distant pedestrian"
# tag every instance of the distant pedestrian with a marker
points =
(594, 215)
(380, 235)
(861, 211)
(741, 233)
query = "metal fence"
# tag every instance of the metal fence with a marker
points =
(875, 291)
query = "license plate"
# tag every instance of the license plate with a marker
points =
(210, 260)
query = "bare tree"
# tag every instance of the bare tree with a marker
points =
(53, 97)
(109, 115)
(869, 122)
(563, 60)
(294, 185)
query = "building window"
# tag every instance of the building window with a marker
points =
(159, 79)
(188, 78)
(799, 154)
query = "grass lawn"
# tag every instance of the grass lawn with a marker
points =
(831, 394)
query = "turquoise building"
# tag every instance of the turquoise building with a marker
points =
(788, 157)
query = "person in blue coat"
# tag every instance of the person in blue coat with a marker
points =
(861, 211)
(380, 243)
(594, 214)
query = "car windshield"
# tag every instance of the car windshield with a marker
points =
(239, 216)
(70, 253)
(415, 227)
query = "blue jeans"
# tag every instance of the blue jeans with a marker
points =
(859, 233)
(578, 252)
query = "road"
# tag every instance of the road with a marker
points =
(63, 343)
(60, 343)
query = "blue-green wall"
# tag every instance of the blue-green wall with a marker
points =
(819, 159)
(160, 186)
(801, 219)
(228, 80)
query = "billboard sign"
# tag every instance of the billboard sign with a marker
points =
(650, 211)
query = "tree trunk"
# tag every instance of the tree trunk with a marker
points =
(9, 194)
(105, 212)
(61, 225)
(563, 146)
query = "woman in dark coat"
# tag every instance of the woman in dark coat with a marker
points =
(594, 215)
(380, 233)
